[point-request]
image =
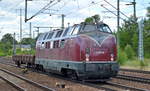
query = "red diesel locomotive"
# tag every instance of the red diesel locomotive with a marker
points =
(82, 51)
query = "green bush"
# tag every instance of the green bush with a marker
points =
(129, 51)
(19, 52)
(122, 57)
(2, 54)
(147, 55)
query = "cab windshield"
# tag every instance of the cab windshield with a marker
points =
(94, 27)
(104, 28)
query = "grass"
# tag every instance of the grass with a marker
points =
(137, 64)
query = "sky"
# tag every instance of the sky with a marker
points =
(75, 11)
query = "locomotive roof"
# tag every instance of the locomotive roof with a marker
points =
(73, 30)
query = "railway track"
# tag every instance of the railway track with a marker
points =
(124, 87)
(134, 70)
(133, 78)
(19, 88)
(21, 83)
(110, 86)
(7, 86)
(106, 86)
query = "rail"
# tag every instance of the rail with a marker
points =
(134, 70)
(133, 78)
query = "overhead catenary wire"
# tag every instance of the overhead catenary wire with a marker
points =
(112, 12)
(116, 8)
(120, 12)
(44, 8)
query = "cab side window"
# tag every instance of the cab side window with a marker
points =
(56, 44)
(62, 43)
(47, 45)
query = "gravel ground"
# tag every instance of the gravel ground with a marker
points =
(135, 74)
(50, 81)
(131, 83)
(19, 82)
(4, 86)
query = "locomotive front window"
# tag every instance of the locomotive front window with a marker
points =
(104, 28)
(88, 28)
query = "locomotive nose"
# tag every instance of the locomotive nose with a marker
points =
(109, 43)
(104, 47)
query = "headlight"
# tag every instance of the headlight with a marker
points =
(87, 57)
(112, 57)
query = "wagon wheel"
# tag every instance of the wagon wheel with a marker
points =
(18, 64)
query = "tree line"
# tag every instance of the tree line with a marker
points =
(6, 44)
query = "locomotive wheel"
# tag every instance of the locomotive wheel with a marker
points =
(72, 74)
(64, 72)
(28, 65)
(40, 68)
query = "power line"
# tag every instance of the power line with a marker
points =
(112, 12)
